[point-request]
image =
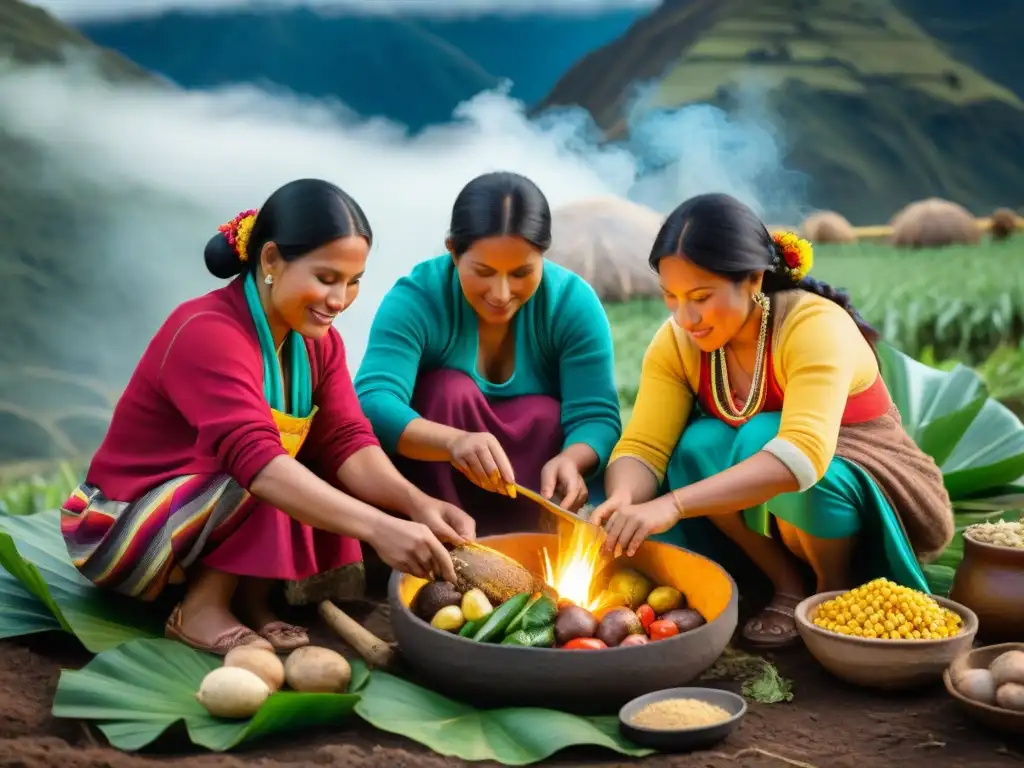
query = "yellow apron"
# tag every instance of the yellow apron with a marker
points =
(294, 429)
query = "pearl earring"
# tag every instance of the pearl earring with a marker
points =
(268, 279)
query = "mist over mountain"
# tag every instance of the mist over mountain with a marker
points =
(413, 69)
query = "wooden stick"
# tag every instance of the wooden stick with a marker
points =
(374, 651)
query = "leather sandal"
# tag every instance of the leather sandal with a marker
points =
(284, 636)
(775, 626)
(226, 641)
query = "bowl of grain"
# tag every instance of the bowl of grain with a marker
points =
(884, 635)
(681, 718)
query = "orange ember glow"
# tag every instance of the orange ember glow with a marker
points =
(579, 561)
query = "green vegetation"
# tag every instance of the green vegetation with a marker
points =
(31, 35)
(832, 45)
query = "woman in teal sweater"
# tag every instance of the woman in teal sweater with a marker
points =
(492, 362)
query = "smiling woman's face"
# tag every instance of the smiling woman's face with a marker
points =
(709, 307)
(498, 275)
(307, 294)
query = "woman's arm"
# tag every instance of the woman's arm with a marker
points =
(630, 480)
(582, 336)
(369, 475)
(425, 440)
(286, 484)
(582, 456)
(387, 374)
(663, 405)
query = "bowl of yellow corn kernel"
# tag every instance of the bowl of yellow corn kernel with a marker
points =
(884, 635)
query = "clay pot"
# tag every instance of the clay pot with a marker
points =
(584, 682)
(990, 581)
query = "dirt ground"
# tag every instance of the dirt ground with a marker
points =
(827, 725)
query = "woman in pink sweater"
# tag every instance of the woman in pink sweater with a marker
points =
(238, 454)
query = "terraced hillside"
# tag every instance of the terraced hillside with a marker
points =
(874, 110)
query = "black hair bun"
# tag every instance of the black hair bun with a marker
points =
(221, 259)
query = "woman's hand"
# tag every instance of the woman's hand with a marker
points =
(446, 521)
(480, 457)
(561, 474)
(412, 548)
(627, 524)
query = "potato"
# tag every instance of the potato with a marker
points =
(475, 605)
(665, 599)
(260, 661)
(432, 597)
(312, 669)
(634, 640)
(573, 622)
(617, 625)
(232, 692)
(633, 584)
(685, 619)
(977, 685)
(1008, 668)
(448, 619)
(1010, 696)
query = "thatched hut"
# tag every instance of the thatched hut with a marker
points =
(607, 241)
(828, 227)
(933, 223)
(1003, 224)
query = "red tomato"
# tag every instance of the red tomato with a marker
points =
(646, 615)
(585, 644)
(663, 629)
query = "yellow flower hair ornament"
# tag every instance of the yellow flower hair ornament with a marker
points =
(238, 231)
(796, 255)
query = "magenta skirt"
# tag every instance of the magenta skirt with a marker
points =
(528, 427)
(271, 545)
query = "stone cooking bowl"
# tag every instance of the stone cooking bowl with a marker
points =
(489, 675)
(883, 664)
(996, 718)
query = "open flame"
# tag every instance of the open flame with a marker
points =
(579, 561)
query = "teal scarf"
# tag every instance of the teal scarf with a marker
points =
(298, 360)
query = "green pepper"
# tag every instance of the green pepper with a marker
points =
(517, 623)
(498, 620)
(469, 628)
(540, 614)
(540, 637)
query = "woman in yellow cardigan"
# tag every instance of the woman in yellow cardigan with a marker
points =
(763, 389)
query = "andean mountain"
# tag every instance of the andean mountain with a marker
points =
(412, 69)
(873, 110)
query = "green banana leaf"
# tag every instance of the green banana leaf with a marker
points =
(32, 551)
(976, 441)
(512, 736)
(136, 691)
(21, 613)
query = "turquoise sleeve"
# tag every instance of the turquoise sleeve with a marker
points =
(387, 374)
(590, 401)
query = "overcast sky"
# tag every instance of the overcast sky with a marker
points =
(92, 9)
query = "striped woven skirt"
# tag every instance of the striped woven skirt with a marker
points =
(137, 548)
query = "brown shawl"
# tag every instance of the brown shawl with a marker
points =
(908, 477)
